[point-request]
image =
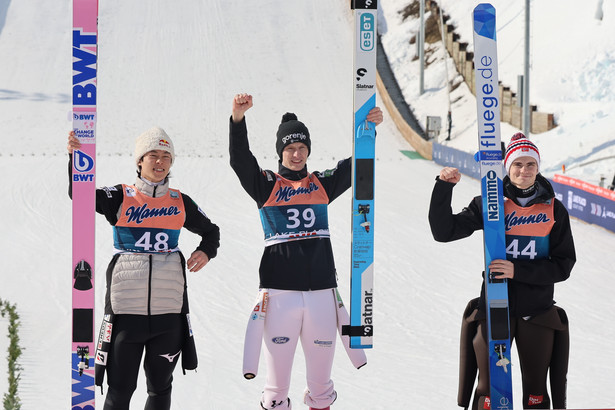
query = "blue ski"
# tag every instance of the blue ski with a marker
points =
(361, 325)
(491, 170)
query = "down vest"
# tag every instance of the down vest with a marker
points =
(154, 283)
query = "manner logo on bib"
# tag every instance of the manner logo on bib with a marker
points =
(138, 214)
(285, 193)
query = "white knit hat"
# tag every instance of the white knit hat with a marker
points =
(520, 146)
(154, 138)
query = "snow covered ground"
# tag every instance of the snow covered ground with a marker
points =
(179, 67)
(572, 75)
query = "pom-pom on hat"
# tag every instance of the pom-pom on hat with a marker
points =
(520, 146)
(152, 139)
(290, 131)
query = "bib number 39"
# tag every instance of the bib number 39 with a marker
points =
(307, 218)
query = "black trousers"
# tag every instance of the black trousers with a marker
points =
(534, 339)
(161, 337)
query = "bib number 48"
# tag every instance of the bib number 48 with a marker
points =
(161, 243)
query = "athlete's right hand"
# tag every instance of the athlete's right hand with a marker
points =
(73, 142)
(450, 174)
(241, 104)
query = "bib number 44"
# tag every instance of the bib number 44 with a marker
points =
(528, 252)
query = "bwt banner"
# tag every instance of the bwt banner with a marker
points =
(584, 201)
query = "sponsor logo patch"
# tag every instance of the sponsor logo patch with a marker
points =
(108, 331)
(170, 357)
(101, 358)
(534, 400)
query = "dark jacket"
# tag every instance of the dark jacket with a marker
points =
(108, 203)
(305, 264)
(109, 200)
(531, 290)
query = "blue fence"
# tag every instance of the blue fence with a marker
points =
(587, 202)
(451, 157)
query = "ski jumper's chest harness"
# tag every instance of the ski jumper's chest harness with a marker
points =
(528, 230)
(295, 210)
(147, 224)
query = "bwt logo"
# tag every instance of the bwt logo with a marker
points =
(366, 32)
(82, 163)
(83, 178)
(83, 117)
(84, 68)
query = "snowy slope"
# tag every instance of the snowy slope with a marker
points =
(179, 68)
(572, 75)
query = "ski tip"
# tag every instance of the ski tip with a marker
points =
(484, 20)
(363, 4)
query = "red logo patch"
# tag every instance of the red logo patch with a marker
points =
(534, 400)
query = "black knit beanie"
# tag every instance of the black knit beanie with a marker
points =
(290, 131)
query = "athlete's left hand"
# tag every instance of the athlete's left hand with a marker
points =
(197, 261)
(375, 115)
(505, 268)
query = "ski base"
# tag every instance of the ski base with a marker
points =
(361, 327)
(491, 170)
(84, 69)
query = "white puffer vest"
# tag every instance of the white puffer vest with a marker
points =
(147, 284)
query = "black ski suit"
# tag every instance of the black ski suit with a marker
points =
(310, 260)
(539, 328)
(147, 312)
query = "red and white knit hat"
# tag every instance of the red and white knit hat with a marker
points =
(520, 146)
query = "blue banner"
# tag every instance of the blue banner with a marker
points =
(585, 201)
(451, 157)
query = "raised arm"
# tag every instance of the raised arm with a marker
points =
(241, 104)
